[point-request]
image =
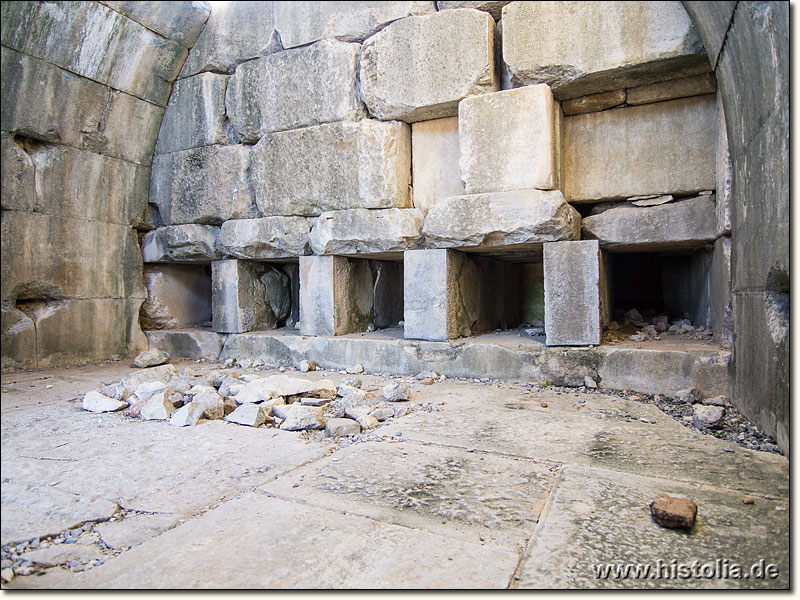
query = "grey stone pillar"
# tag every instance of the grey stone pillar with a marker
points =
(238, 297)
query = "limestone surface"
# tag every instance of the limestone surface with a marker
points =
(190, 344)
(295, 88)
(97, 402)
(362, 231)
(510, 140)
(177, 296)
(436, 172)
(241, 296)
(181, 21)
(181, 243)
(493, 7)
(265, 238)
(451, 57)
(545, 42)
(696, 85)
(249, 414)
(593, 102)
(364, 164)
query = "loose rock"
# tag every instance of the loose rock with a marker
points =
(342, 427)
(252, 415)
(297, 417)
(708, 417)
(382, 414)
(395, 392)
(688, 397)
(97, 402)
(673, 511)
(157, 408)
(307, 365)
(188, 414)
(151, 358)
(356, 369)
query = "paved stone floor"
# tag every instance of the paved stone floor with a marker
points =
(481, 486)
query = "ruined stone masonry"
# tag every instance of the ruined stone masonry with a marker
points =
(232, 175)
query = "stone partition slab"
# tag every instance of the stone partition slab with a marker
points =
(31, 89)
(629, 44)
(192, 344)
(181, 243)
(435, 168)
(296, 88)
(55, 256)
(301, 23)
(364, 164)
(576, 296)
(724, 174)
(93, 41)
(509, 140)
(365, 232)
(720, 294)
(195, 115)
(683, 224)
(419, 68)
(265, 238)
(247, 296)
(425, 295)
(696, 85)
(234, 33)
(206, 185)
(181, 21)
(520, 218)
(662, 148)
(494, 8)
(177, 296)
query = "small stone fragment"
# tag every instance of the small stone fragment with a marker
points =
(395, 392)
(708, 417)
(367, 422)
(673, 511)
(352, 382)
(305, 401)
(651, 201)
(211, 401)
(249, 414)
(188, 414)
(427, 381)
(356, 369)
(297, 417)
(382, 414)
(749, 501)
(717, 401)
(97, 402)
(307, 365)
(544, 404)
(148, 389)
(589, 382)
(157, 408)
(151, 358)
(688, 397)
(340, 427)
(7, 575)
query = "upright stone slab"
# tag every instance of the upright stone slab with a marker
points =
(435, 168)
(362, 231)
(265, 238)
(510, 140)
(629, 44)
(720, 295)
(425, 295)
(451, 57)
(241, 295)
(576, 300)
(181, 243)
(661, 148)
(364, 164)
(296, 88)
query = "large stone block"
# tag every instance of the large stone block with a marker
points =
(451, 57)
(662, 148)
(181, 243)
(192, 344)
(364, 164)
(195, 115)
(181, 21)
(520, 218)
(51, 256)
(18, 339)
(96, 118)
(683, 224)
(265, 238)
(18, 176)
(510, 140)
(296, 88)
(720, 296)
(234, 33)
(435, 168)
(301, 23)
(177, 296)
(581, 48)
(494, 8)
(362, 231)
(576, 294)
(205, 185)
(247, 296)
(93, 41)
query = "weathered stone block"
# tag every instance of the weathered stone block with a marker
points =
(362, 231)
(593, 102)
(31, 87)
(427, 277)
(18, 339)
(662, 148)
(177, 296)
(720, 296)
(682, 224)
(181, 21)
(510, 140)
(195, 115)
(234, 33)
(265, 238)
(301, 23)
(247, 296)
(365, 164)
(546, 42)
(696, 85)
(187, 344)
(576, 296)
(724, 174)
(494, 8)
(181, 243)
(451, 57)
(205, 185)
(525, 217)
(435, 168)
(18, 176)
(296, 88)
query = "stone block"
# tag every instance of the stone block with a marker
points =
(206, 185)
(712, 20)
(195, 115)
(662, 148)
(427, 289)
(31, 87)
(435, 168)
(494, 8)
(18, 176)
(682, 224)
(192, 344)
(364, 164)
(181, 21)
(181, 243)
(630, 44)
(452, 57)
(362, 231)
(248, 296)
(18, 339)
(510, 140)
(696, 85)
(234, 33)
(724, 174)
(301, 23)
(91, 40)
(593, 102)
(720, 296)
(177, 296)
(296, 88)
(522, 218)
(265, 238)
(576, 295)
